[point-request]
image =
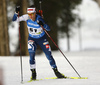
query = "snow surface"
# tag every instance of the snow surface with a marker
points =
(87, 63)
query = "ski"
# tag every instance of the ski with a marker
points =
(58, 78)
(68, 78)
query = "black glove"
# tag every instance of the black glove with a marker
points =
(40, 22)
(17, 9)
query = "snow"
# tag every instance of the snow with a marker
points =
(85, 62)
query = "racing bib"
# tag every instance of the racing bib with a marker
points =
(35, 31)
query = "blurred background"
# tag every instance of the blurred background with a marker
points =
(75, 25)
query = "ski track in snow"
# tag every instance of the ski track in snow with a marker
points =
(86, 63)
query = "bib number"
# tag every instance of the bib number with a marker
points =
(35, 31)
(31, 29)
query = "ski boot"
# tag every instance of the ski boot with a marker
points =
(58, 74)
(33, 77)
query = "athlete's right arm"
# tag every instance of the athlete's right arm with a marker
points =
(17, 10)
(21, 18)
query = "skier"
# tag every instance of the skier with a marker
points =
(36, 37)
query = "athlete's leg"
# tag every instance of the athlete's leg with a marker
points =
(44, 44)
(32, 48)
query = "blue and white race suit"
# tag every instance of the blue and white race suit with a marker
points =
(36, 37)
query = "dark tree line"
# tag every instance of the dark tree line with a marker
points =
(4, 38)
(52, 10)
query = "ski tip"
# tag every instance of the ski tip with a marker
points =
(84, 77)
(78, 77)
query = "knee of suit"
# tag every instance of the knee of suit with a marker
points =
(31, 46)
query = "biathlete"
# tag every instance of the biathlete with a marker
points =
(36, 37)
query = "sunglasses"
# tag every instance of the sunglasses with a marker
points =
(31, 14)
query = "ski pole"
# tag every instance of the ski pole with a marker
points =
(20, 53)
(61, 51)
(40, 11)
(40, 1)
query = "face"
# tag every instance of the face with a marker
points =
(32, 16)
